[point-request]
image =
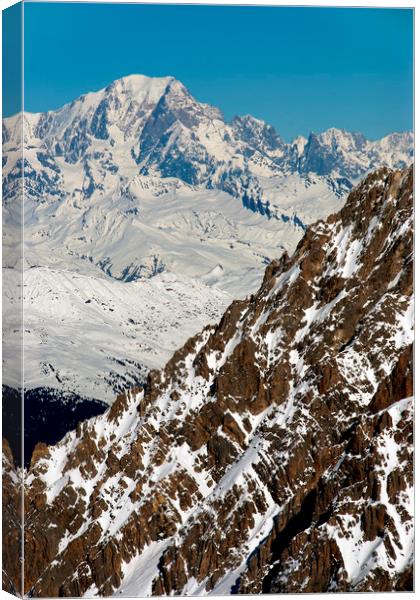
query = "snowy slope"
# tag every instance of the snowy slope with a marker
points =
(111, 332)
(153, 225)
(120, 250)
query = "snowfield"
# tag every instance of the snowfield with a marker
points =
(111, 332)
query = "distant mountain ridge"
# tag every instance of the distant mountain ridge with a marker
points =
(154, 126)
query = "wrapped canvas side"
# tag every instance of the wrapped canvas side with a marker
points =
(12, 303)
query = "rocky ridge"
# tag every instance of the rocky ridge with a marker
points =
(12, 518)
(274, 450)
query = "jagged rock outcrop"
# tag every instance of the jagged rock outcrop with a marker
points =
(272, 453)
(12, 520)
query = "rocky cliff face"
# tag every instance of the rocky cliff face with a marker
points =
(12, 519)
(272, 453)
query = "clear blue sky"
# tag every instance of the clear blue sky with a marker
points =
(12, 59)
(300, 69)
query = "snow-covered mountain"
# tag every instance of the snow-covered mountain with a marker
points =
(350, 155)
(140, 184)
(154, 126)
(272, 453)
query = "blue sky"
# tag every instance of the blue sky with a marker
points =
(300, 69)
(12, 59)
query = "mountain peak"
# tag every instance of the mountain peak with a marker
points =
(157, 124)
(136, 80)
(334, 135)
(257, 133)
(139, 87)
(247, 118)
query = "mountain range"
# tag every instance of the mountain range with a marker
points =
(145, 215)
